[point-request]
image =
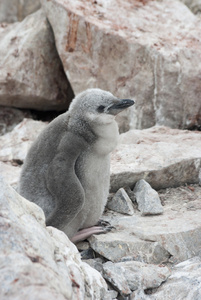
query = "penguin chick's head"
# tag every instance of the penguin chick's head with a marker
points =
(99, 105)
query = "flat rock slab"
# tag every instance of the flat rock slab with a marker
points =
(31, 73)
(177, 232)
(162, 156)
(121, 54)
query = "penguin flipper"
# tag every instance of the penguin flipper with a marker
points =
(63, 183)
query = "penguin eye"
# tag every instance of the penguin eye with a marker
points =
(101, 109)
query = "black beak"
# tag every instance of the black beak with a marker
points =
(120, 105)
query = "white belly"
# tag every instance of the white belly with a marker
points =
(95, 181)
(95, 174)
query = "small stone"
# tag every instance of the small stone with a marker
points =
(87, 254)
(121, 203)
(82, 246)
(147, 198)
(96, 263)
(113, 273)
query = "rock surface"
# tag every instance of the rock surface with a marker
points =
(10, 117)
(162, 156)
(194, 5)
(157, 60)
(121, 203)
(15, 144)
(16, 10)
(31, 73)
(14, 147)
(147, 198)
(40, 263)
(135, 274)
(184, 283)
(174, 236)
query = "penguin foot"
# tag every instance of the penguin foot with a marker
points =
(87, 232)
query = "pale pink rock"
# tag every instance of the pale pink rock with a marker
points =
(147, 50)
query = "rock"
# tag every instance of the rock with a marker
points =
(157, 60)
(40, 263)
(14, 147)
(10, 117)
(177, 232)
(162, 156)
(147, 198)
(10, 173)
(123, 243)
(31, 73)
(16, 10)
(121, 203)
(184, 283)
(136, 274)
(15, 144)
(96, 263)
(88, 254)
(194, 5)
(82, 245)
(114, 274)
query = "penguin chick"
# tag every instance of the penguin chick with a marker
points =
(67, 169)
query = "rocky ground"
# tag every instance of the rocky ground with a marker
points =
(155, 236)
(144, 50)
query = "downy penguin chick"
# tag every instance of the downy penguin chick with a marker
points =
(67, 169)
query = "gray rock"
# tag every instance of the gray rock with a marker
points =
(123, 242)
(15, 144)
(16, 10)
(156, 155)
(137, 274)
(82, 246)
(10, 117)
(96, 263)
(115, 275)
(38, 262)
(147, 198)
(121, 203)
(177, 230)
(184, 283)
(164, 55)
(31, 73)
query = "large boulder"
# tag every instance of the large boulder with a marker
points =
(148, 50)
(38, 262)
(16, 10)
(31, 73)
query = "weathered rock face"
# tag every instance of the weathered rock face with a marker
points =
(10, 117)
(137, 54)
(31, 74)
(194, 5)
(14, 147)
(16, 10)
(38, 262)
(184, 283)
(162, 156)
